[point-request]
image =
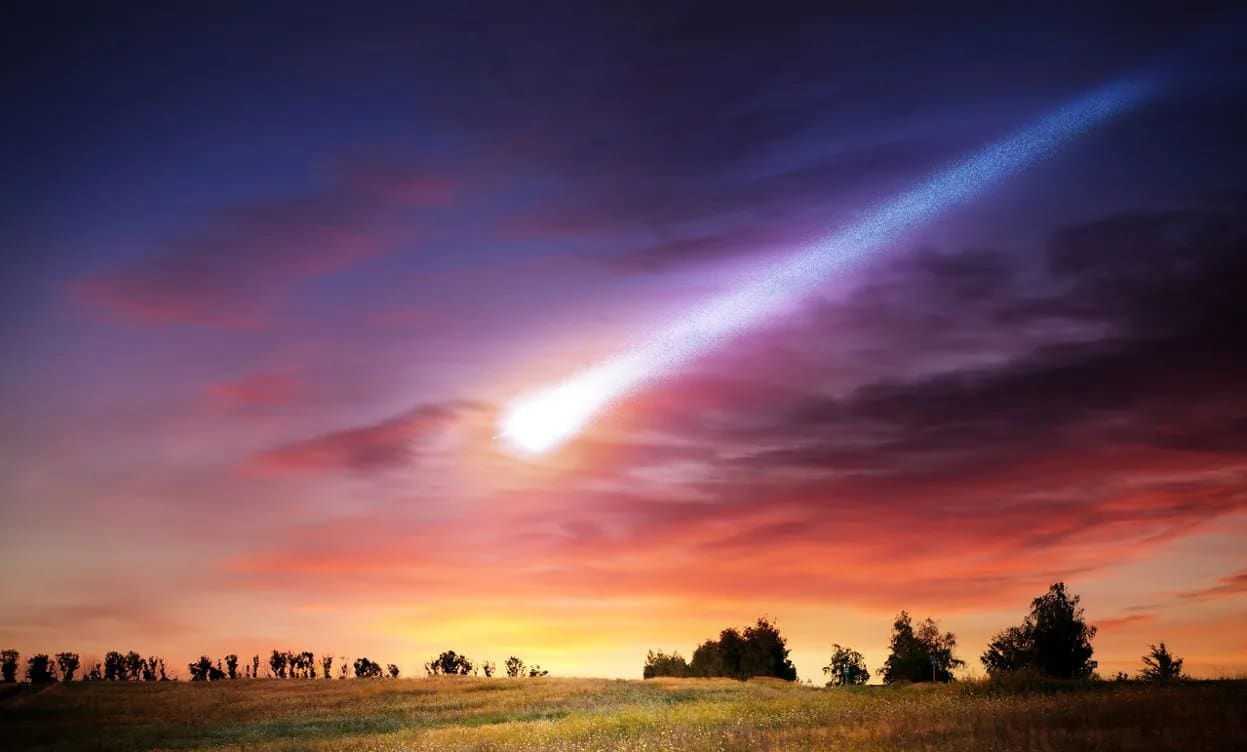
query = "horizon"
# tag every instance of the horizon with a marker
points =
(274, 278)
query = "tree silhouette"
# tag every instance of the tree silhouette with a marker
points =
(342, 669)
(134, 666)
(449, 663)
(326, 663)
(488, 668)
(515, 667)
(366, 669)
(231, 666)
(39, 669)
(95, 673)
(1161, 665)
(662, 664)
(200, 669)
(758, 651)
(919, 656)
(68, 663)
(1054, 639)
(847, 667)
(255, 666)
(114, 666)
(392, 670)
(8, 665)
(534, 671)
(277, 662)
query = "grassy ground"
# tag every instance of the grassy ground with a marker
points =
(575, 715)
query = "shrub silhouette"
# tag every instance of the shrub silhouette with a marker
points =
(515, 667)
(662, 664)
(1161, 665)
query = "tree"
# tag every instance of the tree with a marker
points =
(919, 656)
(68, 663)
(201, 670)
(39, 669)
(662, 664)
(8, 665)
(489, 668)
(515, 667)
(1054, 639)
(307, 662)
(392, 670)
(326, 663)
(758, 651)
(534, 671)
(231, 665)
(277, 662)
(366, 669)
(449, 663)
(342, 669)
(847, 667)
(134, 666)
(114, 666)
(1161, 665)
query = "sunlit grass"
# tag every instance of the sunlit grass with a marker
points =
(583, 715)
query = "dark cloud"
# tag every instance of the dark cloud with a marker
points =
(230, 268)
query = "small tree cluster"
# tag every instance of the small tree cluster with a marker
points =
(847, 667)
(663, 664)
(366, 669)
(919, 655)
(1054, 639)
(449, 663)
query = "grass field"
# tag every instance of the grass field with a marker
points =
(588, 714)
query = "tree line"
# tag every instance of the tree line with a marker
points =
(282, 664)
(1053, 640)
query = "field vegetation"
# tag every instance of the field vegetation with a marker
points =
(575, 715)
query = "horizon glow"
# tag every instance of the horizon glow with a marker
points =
(543, 420)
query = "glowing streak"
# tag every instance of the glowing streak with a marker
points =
(543, 420)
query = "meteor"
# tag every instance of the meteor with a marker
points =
(545, 419)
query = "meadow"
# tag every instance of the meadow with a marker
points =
(584, 715)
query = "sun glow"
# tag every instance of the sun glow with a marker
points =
(541, 421)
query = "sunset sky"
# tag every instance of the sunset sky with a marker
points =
(269, 277)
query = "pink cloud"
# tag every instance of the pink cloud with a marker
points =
(255, 389)
(386, 445)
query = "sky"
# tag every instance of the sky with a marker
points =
(271, 274)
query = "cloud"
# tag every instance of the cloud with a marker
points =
(1230, 586)
(995, 432)
(255, 389)
(1124, 621)
(387, 445)
(231, 267)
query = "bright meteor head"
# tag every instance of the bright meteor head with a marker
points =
(544, 420)
(539, 422)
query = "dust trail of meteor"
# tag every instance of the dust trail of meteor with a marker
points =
(547, 418)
